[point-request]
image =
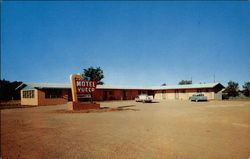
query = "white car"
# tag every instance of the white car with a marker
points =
(198, 97)
(144, 98)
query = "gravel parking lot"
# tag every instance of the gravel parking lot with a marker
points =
(165, 129)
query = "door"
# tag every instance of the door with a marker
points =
(124, 95)
(176, 94)
(69, 97)
(105, 95)
(164, 95)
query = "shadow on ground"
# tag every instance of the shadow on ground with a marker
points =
(101, 110)
(15, 106)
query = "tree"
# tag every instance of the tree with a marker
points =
(232, 89)
(164, 84)
(93, 74)
(246, 89)
(8, 90)
(183, 82)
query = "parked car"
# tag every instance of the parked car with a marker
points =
(144, 98)
(198, 97)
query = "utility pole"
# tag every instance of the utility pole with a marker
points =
(214, 77)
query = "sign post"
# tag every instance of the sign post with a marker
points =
(82, 89)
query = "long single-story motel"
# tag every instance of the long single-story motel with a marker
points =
(51, 94)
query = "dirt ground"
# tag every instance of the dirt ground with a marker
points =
(168, 129)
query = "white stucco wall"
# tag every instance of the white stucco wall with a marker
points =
(29, 101)
(185, 96)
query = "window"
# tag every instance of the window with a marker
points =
(183, 91)
(53, 93)
(111, 92)
(128, 93)
(29, 94)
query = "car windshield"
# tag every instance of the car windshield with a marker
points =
(198, 95)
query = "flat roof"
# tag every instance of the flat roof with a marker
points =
(67, 86)
(189, 86)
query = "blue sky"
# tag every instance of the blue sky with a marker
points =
(135, 43)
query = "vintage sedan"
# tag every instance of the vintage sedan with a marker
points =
(198, 97)
(144, 98)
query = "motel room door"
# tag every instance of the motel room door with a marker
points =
(105, 95)
(176, 94)
(124, 95)
(69, 95)
(164, 95)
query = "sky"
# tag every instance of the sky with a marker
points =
(136, 43)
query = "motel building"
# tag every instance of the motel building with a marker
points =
(52, 94)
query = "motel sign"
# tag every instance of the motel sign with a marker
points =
(83, 86)
(82, 89)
